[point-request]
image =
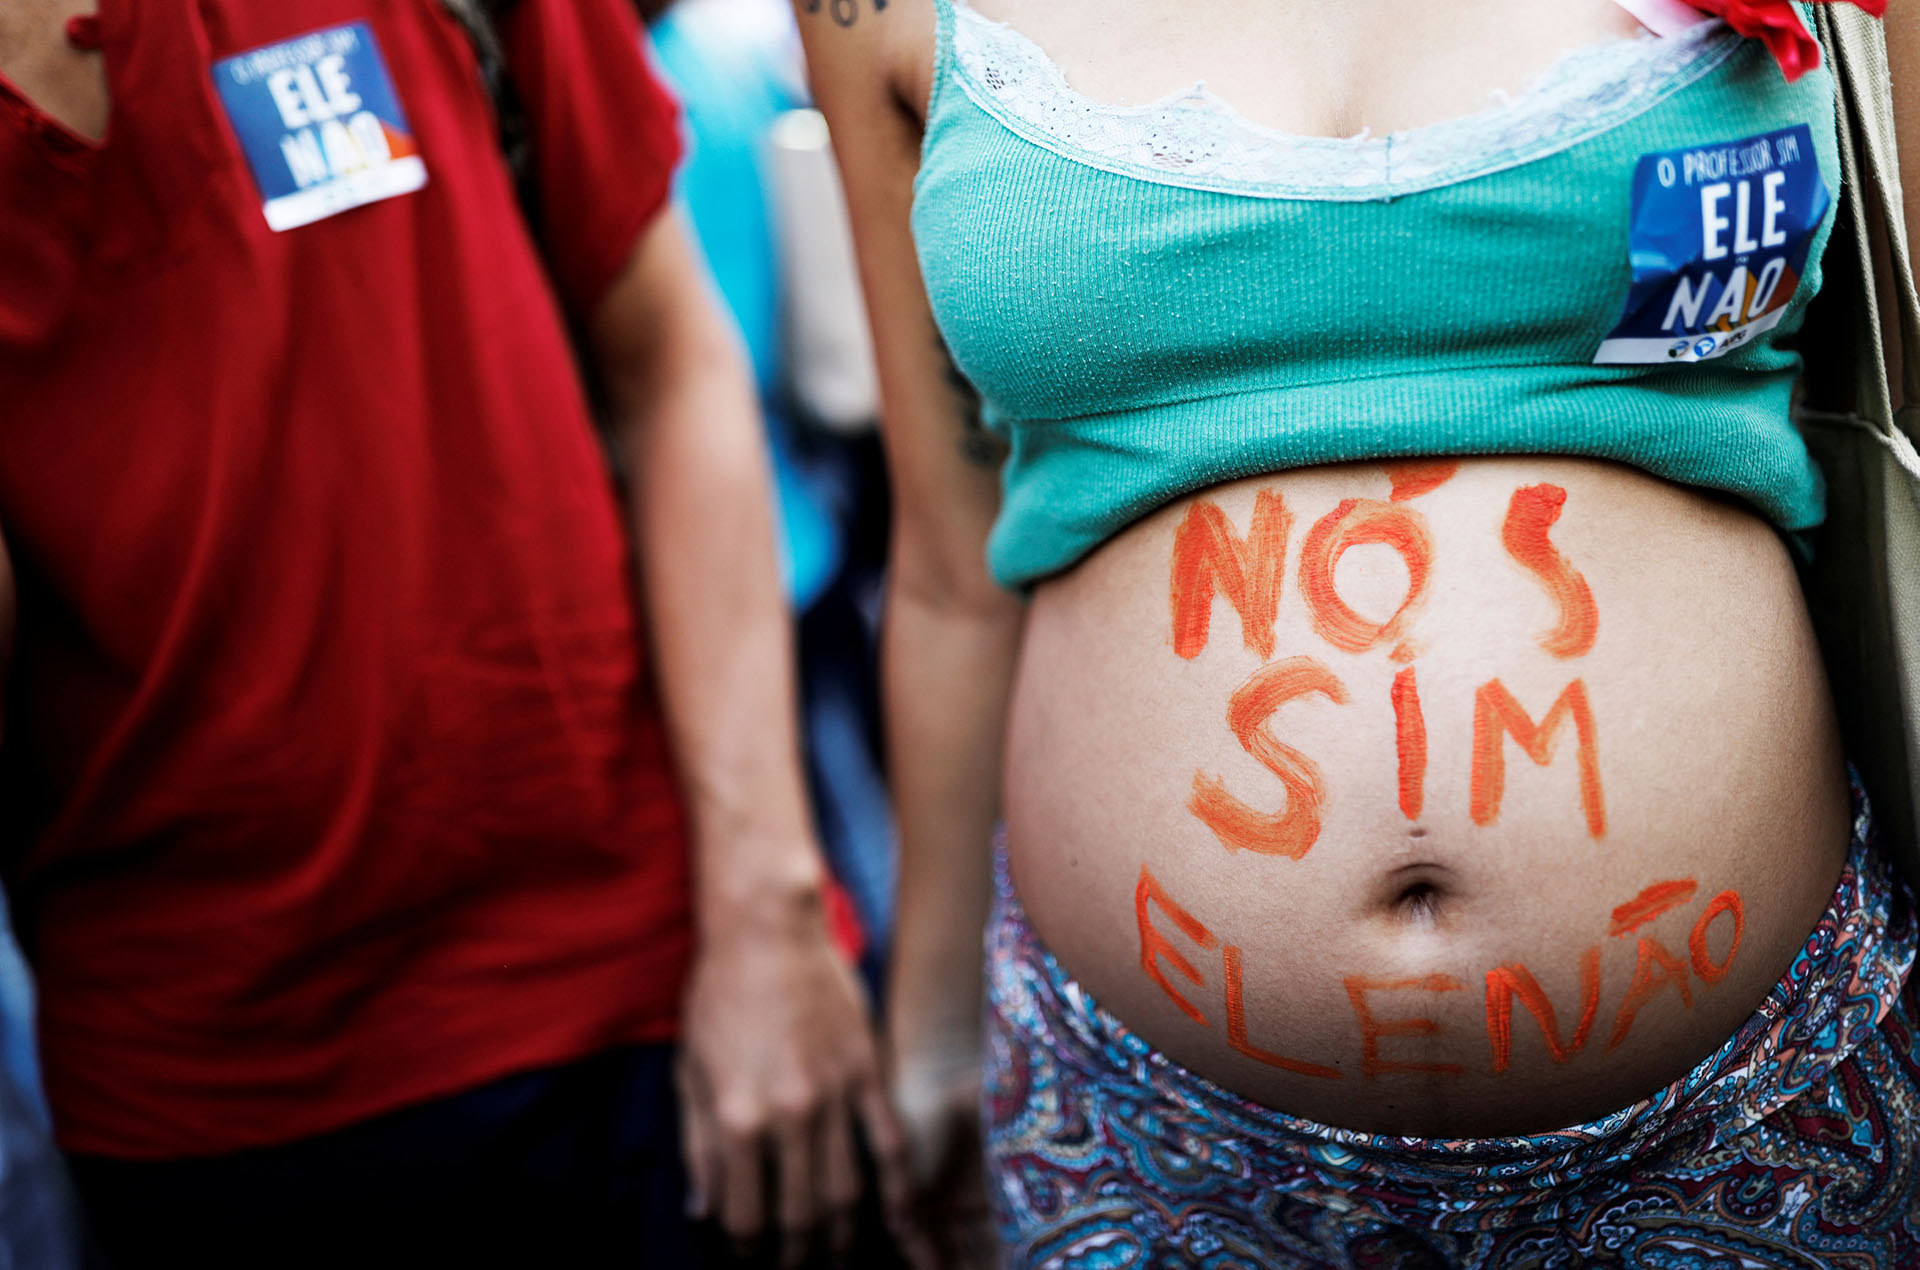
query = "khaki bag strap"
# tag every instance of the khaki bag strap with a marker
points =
(1857, 54)
(1863, 587)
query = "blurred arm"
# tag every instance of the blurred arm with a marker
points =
(950, 634)
(685, 424)
(778, 1052)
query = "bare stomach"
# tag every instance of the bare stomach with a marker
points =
(1487, 808)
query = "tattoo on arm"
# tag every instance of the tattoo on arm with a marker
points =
(845, 12)
(981, 447)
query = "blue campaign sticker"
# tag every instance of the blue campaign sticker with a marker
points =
(1719, 240)
(320, 124)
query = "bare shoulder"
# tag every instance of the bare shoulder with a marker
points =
(865, 53)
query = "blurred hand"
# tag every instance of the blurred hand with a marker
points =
(779, 1065)
(936, 1089)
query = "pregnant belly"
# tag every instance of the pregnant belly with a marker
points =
(1443, 799)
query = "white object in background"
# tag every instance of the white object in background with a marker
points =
(1664, 17)
(829, 351)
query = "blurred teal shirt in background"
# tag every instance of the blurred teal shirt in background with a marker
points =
(734, 66)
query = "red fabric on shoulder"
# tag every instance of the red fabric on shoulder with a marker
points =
(1777, 24)
(605, 136)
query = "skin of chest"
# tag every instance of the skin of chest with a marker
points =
(1316, 69)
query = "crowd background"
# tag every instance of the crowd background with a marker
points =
(760, 190)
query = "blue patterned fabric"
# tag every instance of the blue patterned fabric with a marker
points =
(38, 1230)
(1793, 1147)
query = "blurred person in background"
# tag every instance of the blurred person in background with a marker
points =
(38, 1222)
(759, 190)
(376, 871)
(38, 1226)
(1425, 832)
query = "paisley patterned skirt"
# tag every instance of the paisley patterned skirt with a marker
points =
(1794, 1145)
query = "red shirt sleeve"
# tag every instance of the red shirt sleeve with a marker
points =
(604, 134)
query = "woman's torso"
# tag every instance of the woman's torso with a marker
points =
(1323, 862)
(1684, 833)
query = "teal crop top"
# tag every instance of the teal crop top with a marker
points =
(1152, 300)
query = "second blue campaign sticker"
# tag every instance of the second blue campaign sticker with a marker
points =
(1720, 237)
(321, 125)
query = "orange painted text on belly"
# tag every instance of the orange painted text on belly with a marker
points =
(1155, 947)
(1290, 832)
(1414, 477)
(1372, 1030)
(1530, 515)
(1507, 982)
(1727, 902)
(1650, 903)
(1656, 969)
(1496, 715)
(1237, 1027)
(1249, 570)
(1410, 743)
(1354, 522)
(1209, 557)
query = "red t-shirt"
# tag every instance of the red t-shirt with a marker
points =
(340, 779)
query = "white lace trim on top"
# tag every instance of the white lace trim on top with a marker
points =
(1194, 138)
